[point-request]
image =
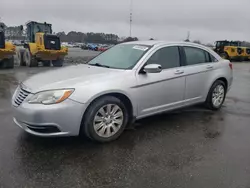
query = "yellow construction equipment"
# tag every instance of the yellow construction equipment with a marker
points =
(7, 51)
(230, 50)
(43, 47)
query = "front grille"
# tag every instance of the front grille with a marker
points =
(52, 42)
(20, 96)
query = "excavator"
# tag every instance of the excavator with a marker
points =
(42, 46)
(7, 51)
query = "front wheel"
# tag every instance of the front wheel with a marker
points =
(105, 119)
(216, 95)
(8, 63)
(58, 62)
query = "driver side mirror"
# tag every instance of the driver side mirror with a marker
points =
(152, 68)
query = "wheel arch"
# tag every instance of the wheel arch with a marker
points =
(120, 95)
(221, 78)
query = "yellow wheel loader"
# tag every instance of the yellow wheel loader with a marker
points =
(229, 50)
(7, 52)
(244, 53)
(42, 47)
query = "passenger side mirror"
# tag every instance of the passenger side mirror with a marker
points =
(152, 68)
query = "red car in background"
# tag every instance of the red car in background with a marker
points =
(103, 48)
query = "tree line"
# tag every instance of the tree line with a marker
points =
(17, 33)
(101, 38)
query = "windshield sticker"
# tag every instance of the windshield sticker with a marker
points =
(143, 48)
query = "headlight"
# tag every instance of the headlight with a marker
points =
(51, 97)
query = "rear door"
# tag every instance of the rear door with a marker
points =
(199, 65)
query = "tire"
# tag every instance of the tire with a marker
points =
(20, 60)
(7, 63)
(87, 125)
(29, 59)
(3, 64)
(58, 63)
(210, 102)
(10, 63)
(46, 63)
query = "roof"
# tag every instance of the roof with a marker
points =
(160, 42)
(33, 22)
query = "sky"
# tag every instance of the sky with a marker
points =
(206, 20)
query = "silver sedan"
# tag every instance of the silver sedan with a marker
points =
(127, 82)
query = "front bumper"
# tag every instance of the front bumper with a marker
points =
(50, 54)
(63, 119)
(6, 53)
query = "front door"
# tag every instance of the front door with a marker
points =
(164, 90)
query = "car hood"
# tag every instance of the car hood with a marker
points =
(68, 77)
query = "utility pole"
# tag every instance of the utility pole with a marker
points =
(130, 18)
(188, 36)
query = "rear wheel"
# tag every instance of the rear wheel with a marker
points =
(216, 95)
(29, 59)
(105, 119)
(20, 58)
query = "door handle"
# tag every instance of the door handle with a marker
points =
(179, 72)
(209, 67)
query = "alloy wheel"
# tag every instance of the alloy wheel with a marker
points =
(108, 120)
(218, 95)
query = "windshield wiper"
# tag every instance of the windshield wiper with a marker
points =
(100, 65)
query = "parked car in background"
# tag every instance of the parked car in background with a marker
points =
(66, 44)
(76, 45)
(93, 47)
(103, 48)
(84, 47)
(128, 82)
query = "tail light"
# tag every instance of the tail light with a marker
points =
(231, 66)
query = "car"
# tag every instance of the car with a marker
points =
(93, 47)
(128, 82)
(103, 48)
(84, 47)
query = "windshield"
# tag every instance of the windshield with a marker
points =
(122, 56)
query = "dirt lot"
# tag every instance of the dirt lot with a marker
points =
(193, 147)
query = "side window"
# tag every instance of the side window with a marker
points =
(213, 59)
(167, 57)
(207, 55)
(195, 56)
